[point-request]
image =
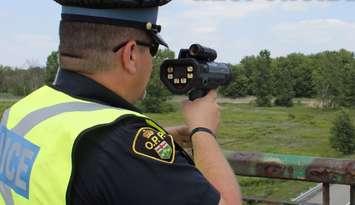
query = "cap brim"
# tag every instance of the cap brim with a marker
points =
(157, 38)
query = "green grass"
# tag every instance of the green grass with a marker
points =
(298, 130)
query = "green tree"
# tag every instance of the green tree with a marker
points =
(20, 82)
(157, 95)
(35, 78)
(283, 84)
(52, 67)
(301, 69)
(239, 85)
(350, 86)
(263, 79)
(249, 64)
(3, 78)
(333, 68)
(342, 136)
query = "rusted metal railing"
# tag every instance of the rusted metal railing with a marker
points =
(291, 167)
(255, 200)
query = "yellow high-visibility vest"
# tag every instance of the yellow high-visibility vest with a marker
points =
(37, 137)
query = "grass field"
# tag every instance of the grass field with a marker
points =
(298, 130)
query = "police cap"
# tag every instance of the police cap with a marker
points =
(140, 14)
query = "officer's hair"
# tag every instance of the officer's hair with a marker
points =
(87, 47)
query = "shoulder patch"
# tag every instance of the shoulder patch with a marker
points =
(154, 145)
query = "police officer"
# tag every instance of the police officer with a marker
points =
(81, 141)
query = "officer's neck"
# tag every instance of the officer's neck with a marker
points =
(115, 83)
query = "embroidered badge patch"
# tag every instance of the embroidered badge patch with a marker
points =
(154, 145)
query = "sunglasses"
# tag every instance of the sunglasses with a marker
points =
(153, 47)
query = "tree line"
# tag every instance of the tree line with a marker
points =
(21, 82)
(328, 76)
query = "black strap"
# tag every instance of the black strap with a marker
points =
(201, 129)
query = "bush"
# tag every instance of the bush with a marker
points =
(155, 105)
(283, 101)
(342, 136)
(264, 101)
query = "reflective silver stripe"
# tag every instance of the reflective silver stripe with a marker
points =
(5, 117)
(6, 194)
(38, 116)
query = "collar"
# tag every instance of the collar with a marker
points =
(80, 86)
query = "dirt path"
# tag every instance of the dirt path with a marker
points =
(309, 102)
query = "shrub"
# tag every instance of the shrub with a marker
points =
(342, 136)
(155, 105)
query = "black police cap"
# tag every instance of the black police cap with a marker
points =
(105, 4)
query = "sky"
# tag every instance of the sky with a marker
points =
(235, 28)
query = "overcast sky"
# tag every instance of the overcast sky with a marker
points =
(235, 28)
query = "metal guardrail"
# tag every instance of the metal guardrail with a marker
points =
(255, 200)
(293, 167)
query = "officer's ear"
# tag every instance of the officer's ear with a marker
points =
(129, 56)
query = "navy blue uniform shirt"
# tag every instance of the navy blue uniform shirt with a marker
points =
(107, 171)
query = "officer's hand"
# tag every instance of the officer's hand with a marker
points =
(180, 134)
(202, 112)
